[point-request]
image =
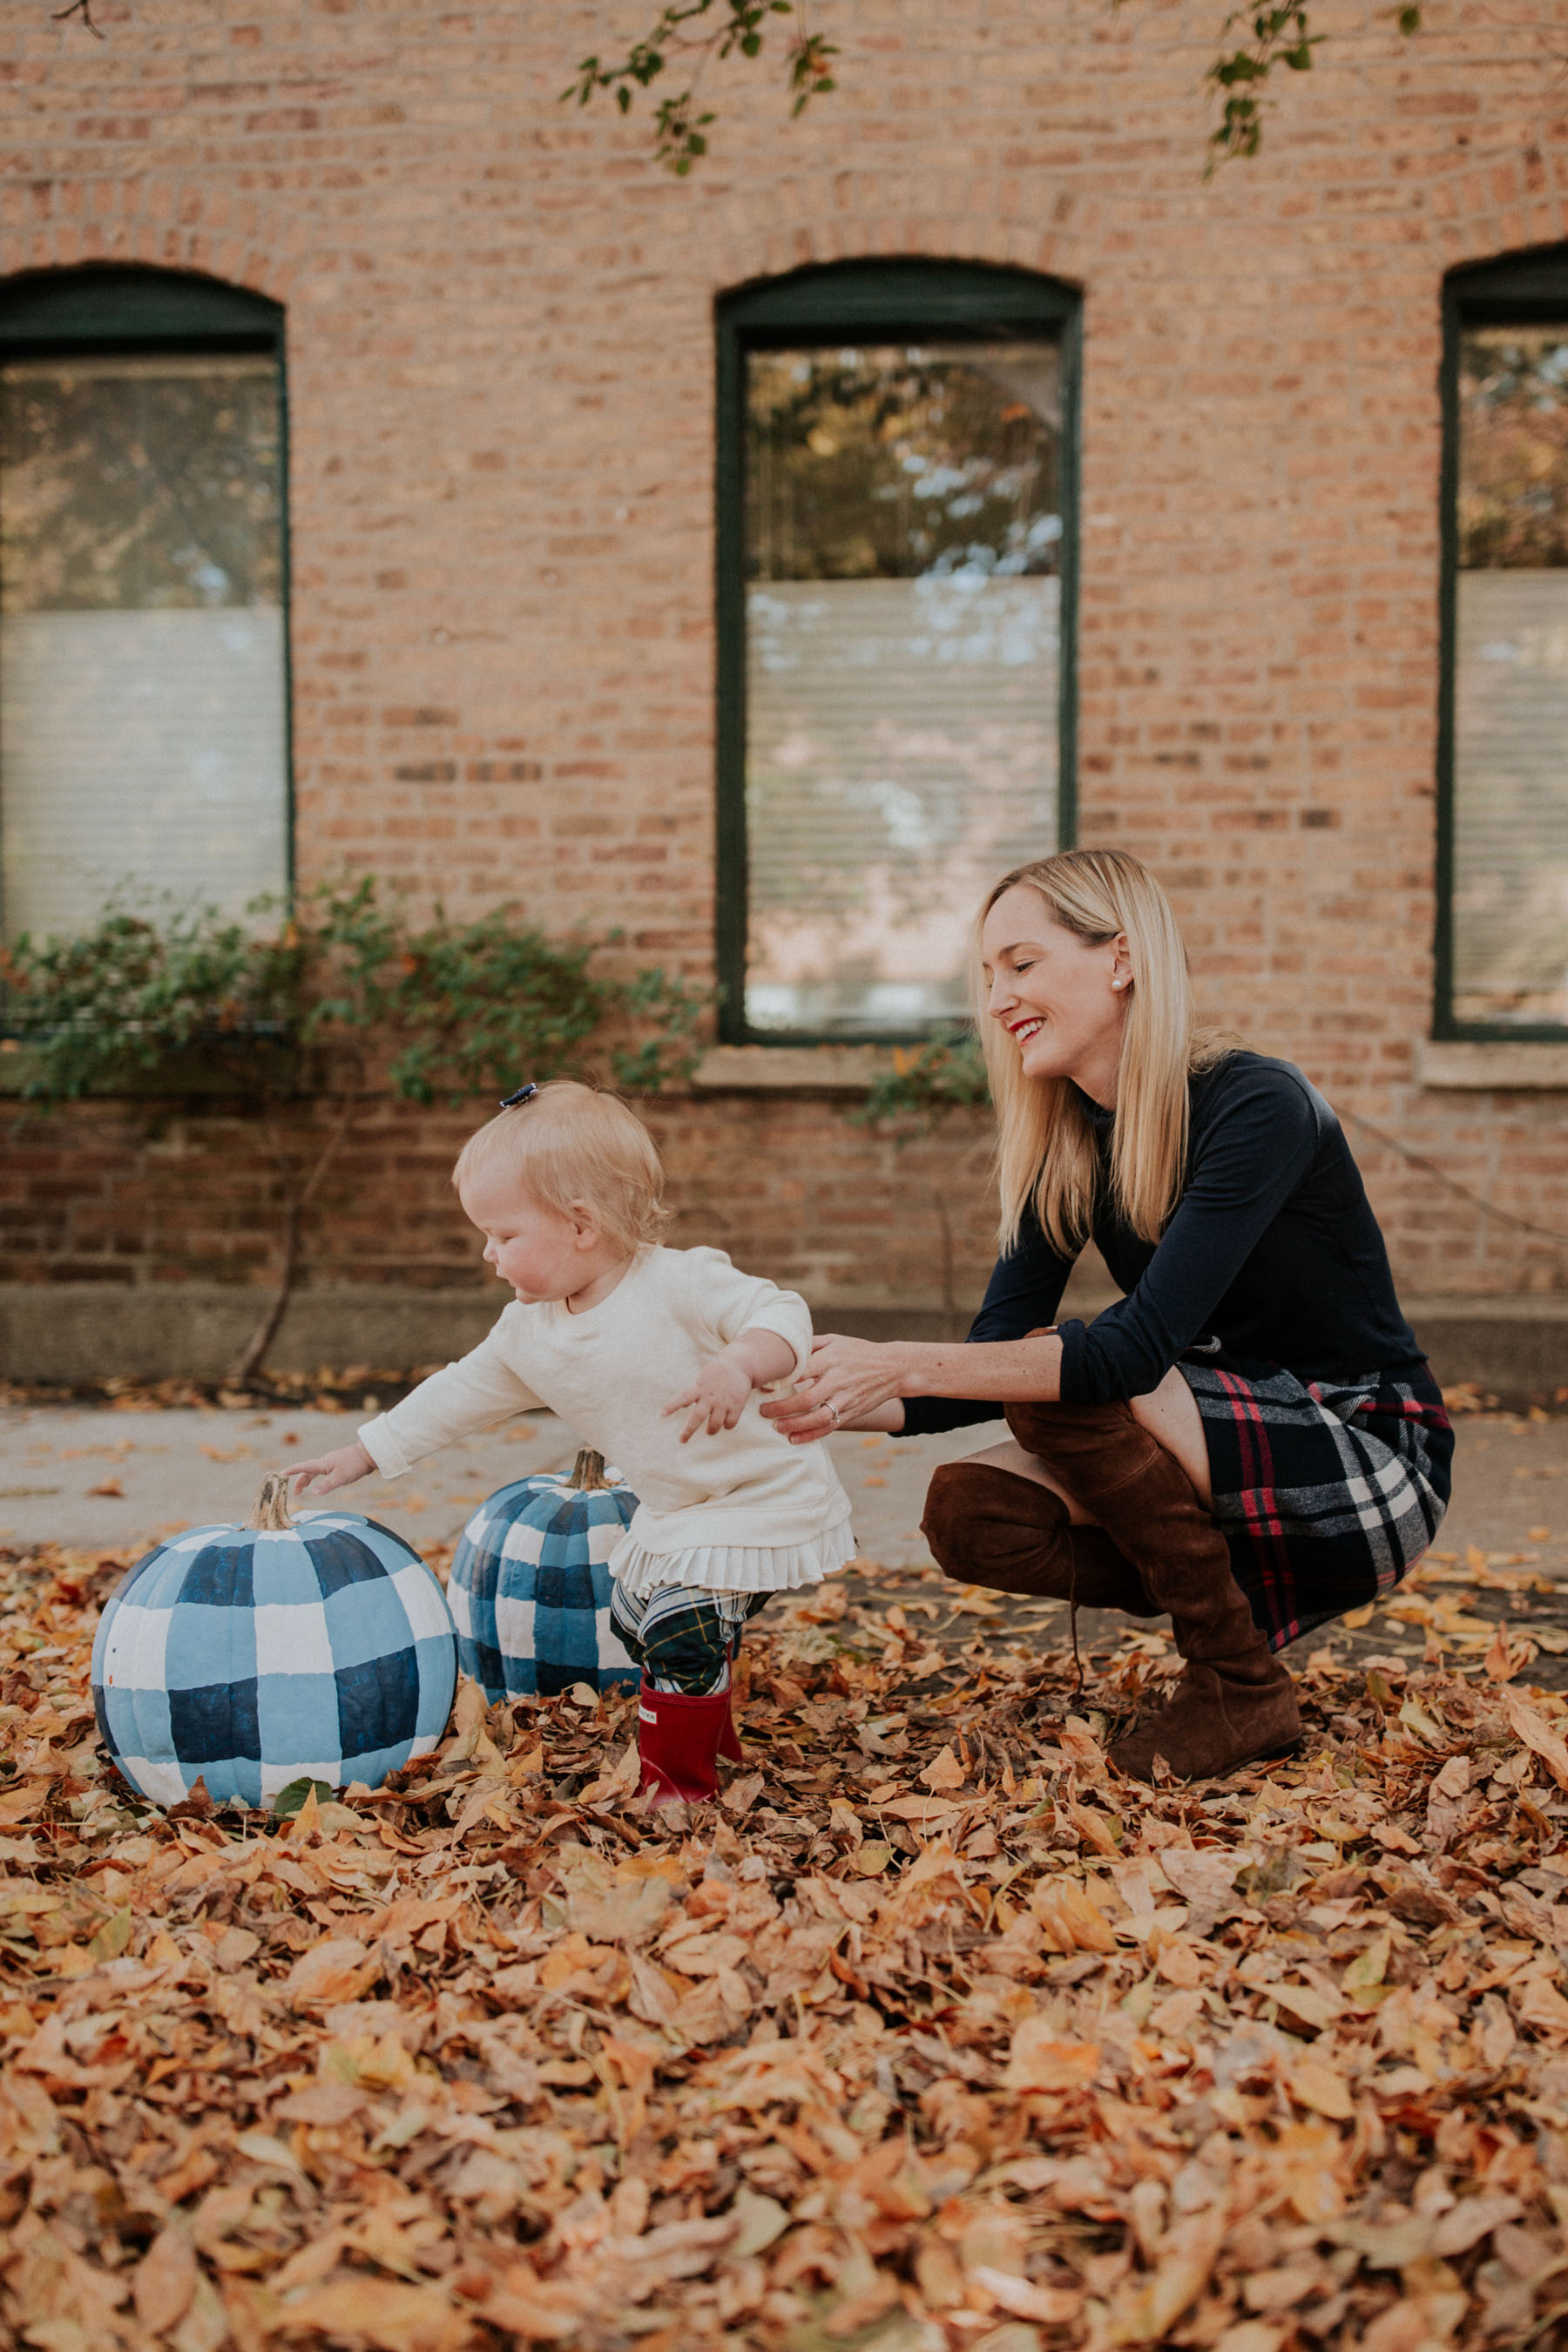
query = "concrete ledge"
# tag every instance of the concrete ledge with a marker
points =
(73, 1332)
(86, 1330)
(1512, 1348)
(1478, 1064)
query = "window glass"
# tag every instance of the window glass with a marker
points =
(142, 733)
(1510, 685)
(904, 521)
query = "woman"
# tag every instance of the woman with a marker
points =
(1250, 1438)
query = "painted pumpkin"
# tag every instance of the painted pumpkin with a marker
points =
(248, 1657)
(530, 1587)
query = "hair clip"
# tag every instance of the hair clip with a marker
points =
(523, 1094)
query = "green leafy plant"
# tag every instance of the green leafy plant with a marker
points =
(339, 998)
(925, 1083)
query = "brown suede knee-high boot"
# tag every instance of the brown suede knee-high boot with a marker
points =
(1234, 1702)
(990, 1527)
(987, 1526)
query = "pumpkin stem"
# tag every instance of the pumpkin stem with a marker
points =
(270, 1515)
(588, 1477)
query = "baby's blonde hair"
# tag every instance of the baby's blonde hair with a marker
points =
(579, 1153)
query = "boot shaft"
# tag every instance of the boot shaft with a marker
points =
(678, 1742)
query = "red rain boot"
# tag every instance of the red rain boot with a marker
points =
(729, 1737)
(678, 1740)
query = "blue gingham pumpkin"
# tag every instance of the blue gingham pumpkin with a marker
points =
(530, 1587)
(249, 1657)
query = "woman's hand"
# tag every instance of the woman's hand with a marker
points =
(852, 1385)
(330, 1471)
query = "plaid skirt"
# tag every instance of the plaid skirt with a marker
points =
(1326, 1491)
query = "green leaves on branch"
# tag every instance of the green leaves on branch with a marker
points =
(457, 1009)
(1280, 37)
(927, 1082)
(700, 30)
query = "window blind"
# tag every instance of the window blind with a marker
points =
(902, 642)
(143, 717)
(1510, 685)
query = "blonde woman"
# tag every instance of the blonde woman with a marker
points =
(1250, 1438)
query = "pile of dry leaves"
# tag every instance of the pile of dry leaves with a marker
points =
(931, 2036)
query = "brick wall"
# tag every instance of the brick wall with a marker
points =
(501, 453)
(162, 1194)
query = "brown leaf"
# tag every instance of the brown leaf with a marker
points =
(1318, 2086)
(165, 2279)
(1144, 2313)
(395, 2318)
(1040, 2060)
(742, 1793)
(943, 1771)
(1531, 1728)
(335, 1969)
(1053, 2306)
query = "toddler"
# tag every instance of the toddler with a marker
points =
(654, 1356)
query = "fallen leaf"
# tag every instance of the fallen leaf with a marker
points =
(1052, 2306)
(1040, 2060)
(338, 1968)
(944, 1771)
(395, 2318)
(1319, 2087)
(1531, 1728)
(165, 2280)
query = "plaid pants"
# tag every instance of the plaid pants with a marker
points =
(684, 1636)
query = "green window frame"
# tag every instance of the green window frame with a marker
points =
(872, 303)
(120, 310)
(1524, 290)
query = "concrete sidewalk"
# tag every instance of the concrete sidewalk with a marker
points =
(87, 1476)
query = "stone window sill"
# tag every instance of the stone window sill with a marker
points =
(791, 1069)
(1462, 1063)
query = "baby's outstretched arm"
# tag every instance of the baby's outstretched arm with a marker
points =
(717, 1398)
(330, 1471)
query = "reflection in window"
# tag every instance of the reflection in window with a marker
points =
(142, 741)
(904, 521)
(1510, 686)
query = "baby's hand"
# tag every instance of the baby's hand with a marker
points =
(717, 1399)
(339, 1468)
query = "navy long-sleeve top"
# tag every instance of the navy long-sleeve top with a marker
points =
(1272, 1257)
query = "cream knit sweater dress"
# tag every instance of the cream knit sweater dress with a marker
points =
(744, 1511)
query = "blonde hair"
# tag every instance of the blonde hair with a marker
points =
(579, 1153)
(1045, 1148)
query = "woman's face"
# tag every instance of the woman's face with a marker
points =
(1062, 1001)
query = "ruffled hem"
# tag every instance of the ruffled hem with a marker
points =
(733, 1568)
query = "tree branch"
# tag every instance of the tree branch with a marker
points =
(82, 8)
(680, 131)
(297, 1199)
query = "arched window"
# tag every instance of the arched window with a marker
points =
(897, 540)
(1502, 924)
(144, 663)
